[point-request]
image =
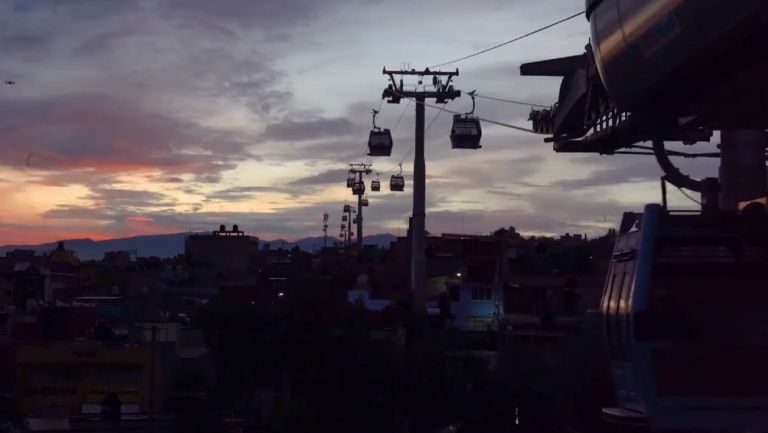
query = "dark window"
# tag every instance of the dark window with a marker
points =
(454, 293)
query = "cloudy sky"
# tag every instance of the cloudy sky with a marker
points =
(133, 117)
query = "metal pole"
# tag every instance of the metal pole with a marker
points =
(152, 409)
(349, 226)
(418, 258)
(325, 230)
(360, 215)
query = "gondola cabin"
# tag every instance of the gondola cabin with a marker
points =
(358, 188)
(466, 132)
(351, 178)
(344, 218)
(375, 185)
(364, 201)
(347, 208)
(685, 316)
(380, 142)
(397, 183)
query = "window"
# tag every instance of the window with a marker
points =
(482, 294)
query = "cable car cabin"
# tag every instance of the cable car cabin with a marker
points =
(375, 185)
(364, 201)
(380, 142)
(347, 208)
(397, 183)
(685, 317)
(344, 218)
(358, 188)
(351, 178)
(466, 132)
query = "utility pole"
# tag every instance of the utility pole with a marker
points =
(358, 189)
(349, 226)
(325, 230)
(442, 92)
(359, 218)
(346, 225)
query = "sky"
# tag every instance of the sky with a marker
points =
(134, 117)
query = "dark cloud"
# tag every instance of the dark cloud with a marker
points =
(577, 209)
(612, 176)
(101, 134)
(86, 177)
(504, 193)
(77, 212)
(261, 14)
(320, 153)
(109, 203)
(240, 193)
(103, 43)
(85, 9)
(333, 176)
(169, 179)
(600, 171)
(128, 198)
(495, 176)
(27, 47)
(249, 79)
(208, 178)
(313, 129)
(546, 212)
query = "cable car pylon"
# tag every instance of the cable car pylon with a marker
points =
(442, 92)
(355, 178)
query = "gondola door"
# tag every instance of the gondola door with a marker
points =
(617, 321)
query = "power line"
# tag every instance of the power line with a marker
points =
(477, 53)
(512, 101)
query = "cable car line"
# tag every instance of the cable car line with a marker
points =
(678, 153)
(688, 196)
(531, 33)
(511, 101)
(401, 115)
(495, 122)
(413, 146)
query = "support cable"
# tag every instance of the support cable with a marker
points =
(495, 122)
(511, 101)
(531, 33)
(414, 146)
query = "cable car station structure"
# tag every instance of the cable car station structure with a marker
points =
(684, 304)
